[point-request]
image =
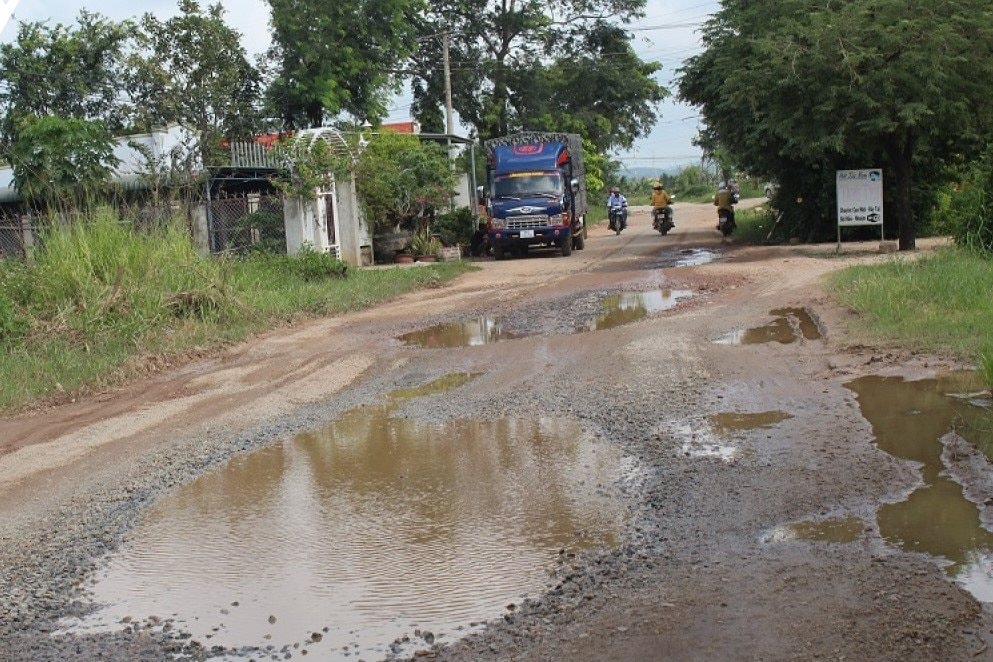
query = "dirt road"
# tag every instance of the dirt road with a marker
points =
(705, 567)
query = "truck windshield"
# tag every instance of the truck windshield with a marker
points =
(527, 184)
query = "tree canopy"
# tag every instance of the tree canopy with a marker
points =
(796, 88)
(531, 64)
(191, 69)
(334, 56)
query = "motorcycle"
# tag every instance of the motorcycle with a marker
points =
(662, 219)
(617, 220)
(725, 222)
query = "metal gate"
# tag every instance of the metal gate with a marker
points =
(247, 222)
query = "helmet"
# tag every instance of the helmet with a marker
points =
(614, 189)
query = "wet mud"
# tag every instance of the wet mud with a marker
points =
(367, 529)
(714, 436)
(836, 529)
(909, 419)
(788, 326)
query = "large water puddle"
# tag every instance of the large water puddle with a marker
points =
(345, 538)
(908, 419)
(714, 436)
(618, 310)
(788, 326)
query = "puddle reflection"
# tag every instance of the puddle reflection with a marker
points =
(370, 527)
(788, 326)
(908, 419)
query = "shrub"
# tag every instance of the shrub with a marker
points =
(964, 210)
(455, 227)
(12, 325)
(310, 265)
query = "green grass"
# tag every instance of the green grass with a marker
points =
(99, 299)
(753, 225)
(940, 303)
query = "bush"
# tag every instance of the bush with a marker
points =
(12, 325)
(310, 265)
(455, 227)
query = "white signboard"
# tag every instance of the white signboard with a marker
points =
(860, 197)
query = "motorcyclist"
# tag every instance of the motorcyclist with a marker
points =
(661, 200)
(618, 201)
(724, 200)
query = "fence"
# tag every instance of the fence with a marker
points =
(18, 234)
(238, 223)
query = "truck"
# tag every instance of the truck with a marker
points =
(535, 192)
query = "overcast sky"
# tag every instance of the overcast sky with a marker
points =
(667, 34)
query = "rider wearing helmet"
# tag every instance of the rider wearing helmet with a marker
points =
(724, 201)
(618, 201)
(660, 199)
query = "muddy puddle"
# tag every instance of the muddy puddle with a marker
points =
(836, 529)
(368, 529)
(687, 257)
(908, 419)
(714, 437)
(618, 310)
(788, 326)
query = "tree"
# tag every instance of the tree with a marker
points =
(400, 179)
(789, 85)
(61, 70)
(561, 65)
(60, 160)
(335, 56)
(191, 69)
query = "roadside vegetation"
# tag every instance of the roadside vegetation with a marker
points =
(99, 300)
(939, 303)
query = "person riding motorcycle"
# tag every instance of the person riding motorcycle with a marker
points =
(618, 201)
(661, 200)
(724, 201)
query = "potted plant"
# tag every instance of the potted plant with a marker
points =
(403, 257)
(425, 247)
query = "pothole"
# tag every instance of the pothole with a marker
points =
(713, 437)
(788, 326)
(365, 530)
(617, 310)
(908, 420)
(686, 257)
(836, 529)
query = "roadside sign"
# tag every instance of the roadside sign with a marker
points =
(860, 199)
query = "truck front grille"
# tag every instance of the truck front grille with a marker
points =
(528, 222)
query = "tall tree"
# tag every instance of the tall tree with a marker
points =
(539, 64)
(192, 69)
(62, 70)
(64, 161)
(335, 56)
(808, 84)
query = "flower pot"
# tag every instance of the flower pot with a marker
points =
(403, 258)
(427, 258)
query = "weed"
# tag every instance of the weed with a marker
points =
(100, 295)
(938, 303)
(985, 365)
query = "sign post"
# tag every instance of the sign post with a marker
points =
(860, 199)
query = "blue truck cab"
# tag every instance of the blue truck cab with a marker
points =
(535, 192)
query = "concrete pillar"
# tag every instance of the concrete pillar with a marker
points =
(200, 230)
(27, 238)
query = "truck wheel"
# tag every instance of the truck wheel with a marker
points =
(578, 242)
(566, 247)
(498, 253)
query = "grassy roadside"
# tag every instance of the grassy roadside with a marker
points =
(939, 303)
(100, 300)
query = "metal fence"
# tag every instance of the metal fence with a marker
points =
(17, 235)
(239, 223)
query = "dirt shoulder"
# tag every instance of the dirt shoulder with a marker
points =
(695, 578)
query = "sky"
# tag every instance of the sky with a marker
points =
(667, 34)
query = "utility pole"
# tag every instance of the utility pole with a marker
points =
(449, 122)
